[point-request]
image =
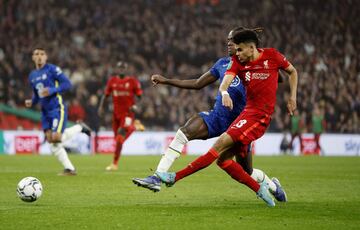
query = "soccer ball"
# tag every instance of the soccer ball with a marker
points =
(29, 189)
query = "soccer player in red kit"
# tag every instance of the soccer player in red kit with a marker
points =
(123, 90)
(258, 69)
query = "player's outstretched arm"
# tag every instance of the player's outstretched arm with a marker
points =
(199, 83)
(226, 99)
(101, 105)
(293, 81)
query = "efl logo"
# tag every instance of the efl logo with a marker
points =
(105, 144)
(27, 144)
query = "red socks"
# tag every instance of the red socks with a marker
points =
(238, 173)
(119, 143)
(198, 164)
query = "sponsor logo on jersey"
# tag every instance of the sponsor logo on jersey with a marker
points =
(247, 76)
(260, 76)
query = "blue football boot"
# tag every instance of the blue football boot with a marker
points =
(151, 182)
(264, 194)
(279, 194)
(167, 177)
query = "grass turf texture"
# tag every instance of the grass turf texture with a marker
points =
(323, 193)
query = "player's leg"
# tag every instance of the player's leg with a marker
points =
(124, 128)
(317, 140)
(244, 130)
(223, 143)
(301, 142)
(194, 128)
(58, 125)
(244, 158)
(293, 135)
(80, 127)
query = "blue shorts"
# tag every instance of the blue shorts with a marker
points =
(216, 123)
(55, 120)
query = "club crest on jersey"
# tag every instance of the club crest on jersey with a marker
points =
(44, 76)
(127, 85)
(235, 82)
(58, 70)
(266, 64)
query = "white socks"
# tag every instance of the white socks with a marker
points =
(260, 176)
(172, 152)
(70, 132)
(58, 150)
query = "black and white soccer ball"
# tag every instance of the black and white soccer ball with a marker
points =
(29, 189)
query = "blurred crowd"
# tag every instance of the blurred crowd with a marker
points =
(183, 39)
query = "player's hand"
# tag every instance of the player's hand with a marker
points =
(28, 103)
(100, 111)
(227, 102)
(291, 106)
(158, 79)
(44, 92)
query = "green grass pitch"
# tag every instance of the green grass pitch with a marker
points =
(323, 193)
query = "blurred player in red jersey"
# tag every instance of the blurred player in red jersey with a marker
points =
(258, 69)
(123, 89)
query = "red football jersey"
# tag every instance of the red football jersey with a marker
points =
(123, 91)
(260, 77)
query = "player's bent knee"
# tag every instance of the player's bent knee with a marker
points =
(55, 148)
(56, 137)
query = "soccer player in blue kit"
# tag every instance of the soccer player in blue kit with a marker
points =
(48, 82)
(210, 124)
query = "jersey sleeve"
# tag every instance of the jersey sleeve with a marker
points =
(108, 88)
(137, 87)
(232, 68)
(63, 84)
(214, 70)
(281, 60)
(35, 96)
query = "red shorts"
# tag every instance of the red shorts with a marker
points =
(123, 125)
(249, 126)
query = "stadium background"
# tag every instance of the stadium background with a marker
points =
(180, 38)
(87, 38)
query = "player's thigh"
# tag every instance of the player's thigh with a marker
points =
(248, 127)
(195, 128)
(58, 124)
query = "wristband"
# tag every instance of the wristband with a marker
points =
(224, 93)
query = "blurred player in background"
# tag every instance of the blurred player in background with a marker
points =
(296, 129)
(318, 126)
(213, 123)
(259, 71)
(48, 83)
(123, 89)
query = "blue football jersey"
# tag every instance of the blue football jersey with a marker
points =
(49, 76)
(236, 91)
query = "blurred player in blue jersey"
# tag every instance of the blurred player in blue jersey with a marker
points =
(48, 82)
(210, 124)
